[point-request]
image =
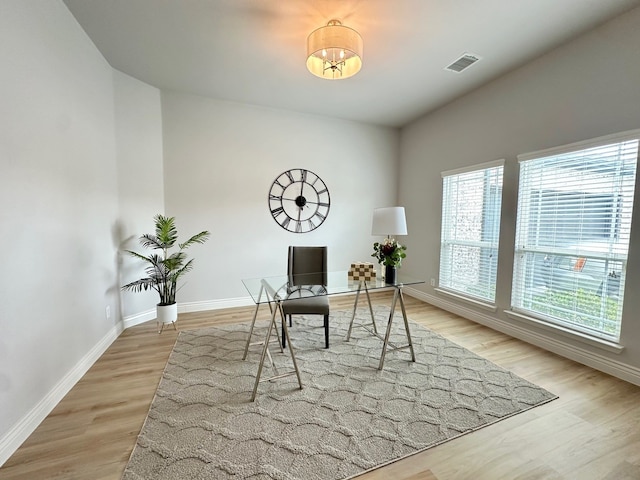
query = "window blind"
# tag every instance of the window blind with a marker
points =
(471, 205)
(572, 234)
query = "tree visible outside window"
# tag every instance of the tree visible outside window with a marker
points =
(572, 234)
(471, 204)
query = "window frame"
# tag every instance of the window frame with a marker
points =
(445, 283)
(617, 240)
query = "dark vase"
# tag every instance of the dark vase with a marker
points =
(390, 274)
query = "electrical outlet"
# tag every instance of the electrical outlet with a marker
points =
(433, 282)
(107, 312)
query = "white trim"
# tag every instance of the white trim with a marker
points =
(215, 304)
(567, 332)
(618, 369)
(17, 434)
(142, 317)
(478, 303)
(139, 318)
(594, 142)
(473, 168)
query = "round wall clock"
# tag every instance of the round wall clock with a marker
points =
(299, 200)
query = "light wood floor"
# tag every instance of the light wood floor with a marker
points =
(591, 432)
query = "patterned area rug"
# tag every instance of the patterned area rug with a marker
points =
(350, 417)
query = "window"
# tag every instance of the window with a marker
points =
(572, 234)
(471, 201)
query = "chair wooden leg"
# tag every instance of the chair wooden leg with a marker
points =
(326, 331)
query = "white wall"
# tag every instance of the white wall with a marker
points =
(89, 155)
(59, 202)
(83, 174)
(220, 161)
(138, 126)
(587, 88)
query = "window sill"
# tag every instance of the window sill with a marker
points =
(478, 303)
(607, 345)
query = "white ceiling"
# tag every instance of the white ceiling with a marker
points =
(253, 51)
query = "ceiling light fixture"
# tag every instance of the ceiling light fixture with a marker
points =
(334, 51)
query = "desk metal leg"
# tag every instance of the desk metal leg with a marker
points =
(291, 350)
(265, 347)
(373, 319)
(397, 295)
(353, 314)
(406, 324)
(265, 351)
(388, 334)
(355, 306)
(253, 323)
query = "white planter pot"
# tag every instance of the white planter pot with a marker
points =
(166, 314)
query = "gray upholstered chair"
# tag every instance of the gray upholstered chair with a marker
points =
(307, 272)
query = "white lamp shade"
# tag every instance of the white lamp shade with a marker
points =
(334, 51)
(389, 221)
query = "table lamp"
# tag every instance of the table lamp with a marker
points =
(389, 221)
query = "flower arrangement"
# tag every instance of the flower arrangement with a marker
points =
(389, 252)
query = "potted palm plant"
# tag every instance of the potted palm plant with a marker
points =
(164, 268)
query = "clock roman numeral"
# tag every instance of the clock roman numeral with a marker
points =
(290, 176)
(301, 188)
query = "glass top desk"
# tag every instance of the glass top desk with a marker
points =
(277, 289)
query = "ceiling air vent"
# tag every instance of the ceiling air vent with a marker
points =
(464, 62)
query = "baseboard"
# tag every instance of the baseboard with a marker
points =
(556, 345)
(27, 425)
(187, 307)
(138, 318)
(215, 304)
